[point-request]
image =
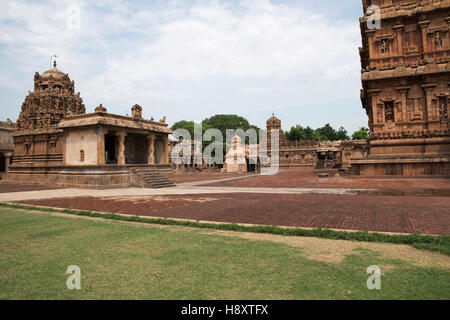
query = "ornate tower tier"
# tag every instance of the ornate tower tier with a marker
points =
(405, 63)
(38, 139)
(53, 98)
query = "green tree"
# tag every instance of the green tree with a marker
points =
(311, 134)
(362, 133)
(327, 132)
(341, 134)
(183, 124)
(296, 133)
(223, 122)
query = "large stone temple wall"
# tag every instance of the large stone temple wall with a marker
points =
(405, 76)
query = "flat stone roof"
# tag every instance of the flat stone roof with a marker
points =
(108, 119)
(7, 126)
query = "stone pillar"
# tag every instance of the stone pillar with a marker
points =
(424, 27)
(429, 113)
(370, 34)
(8, 157)
(121, 147)
(101, 160)
(166, 149)
(447, 38)
(403, 92)
(373, 94)
(399, 30)
(151, 148)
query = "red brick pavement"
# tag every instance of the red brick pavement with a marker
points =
(428, 215)
(307, 178)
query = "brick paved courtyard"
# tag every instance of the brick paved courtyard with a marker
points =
(308, 178)
(289, 198)
(430, 215)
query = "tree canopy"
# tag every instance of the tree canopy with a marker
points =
(327, 132)
(362, 133)
(183, 124)
(222, 122)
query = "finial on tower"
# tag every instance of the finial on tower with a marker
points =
(54, 60)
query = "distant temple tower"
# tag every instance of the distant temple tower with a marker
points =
(405, 79)
(273, 123)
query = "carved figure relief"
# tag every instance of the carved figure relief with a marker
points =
(136, 111)
(384, 49)
(443, 110)
(437, 37)
(389, 111)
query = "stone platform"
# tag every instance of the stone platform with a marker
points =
(103, 177)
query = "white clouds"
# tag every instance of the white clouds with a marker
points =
(164, 53)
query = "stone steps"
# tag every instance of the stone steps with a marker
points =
(320, 164)
(153, 178)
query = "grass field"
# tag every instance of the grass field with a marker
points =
(135, 261)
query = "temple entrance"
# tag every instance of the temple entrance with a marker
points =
(2, 164)
(110, 149)
(136, 150)
(321, 159)
(252, 166)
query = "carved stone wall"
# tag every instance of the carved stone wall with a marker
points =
(300, 153)
(405, 79)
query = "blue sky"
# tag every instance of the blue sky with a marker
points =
(189, 60)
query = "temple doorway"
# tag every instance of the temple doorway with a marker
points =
(251, 165)
(136, 149)
(110, 149)
(2, 164)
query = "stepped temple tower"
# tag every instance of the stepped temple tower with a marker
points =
(38, 138)
(405, 64)
(57, 143)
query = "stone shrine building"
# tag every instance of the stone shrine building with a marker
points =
(6, 145)
(237, 157)
(405, 79)
(56, 142)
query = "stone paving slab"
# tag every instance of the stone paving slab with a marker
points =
(64, 193)
(205, 176)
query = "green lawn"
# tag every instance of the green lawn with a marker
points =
(129, 261)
